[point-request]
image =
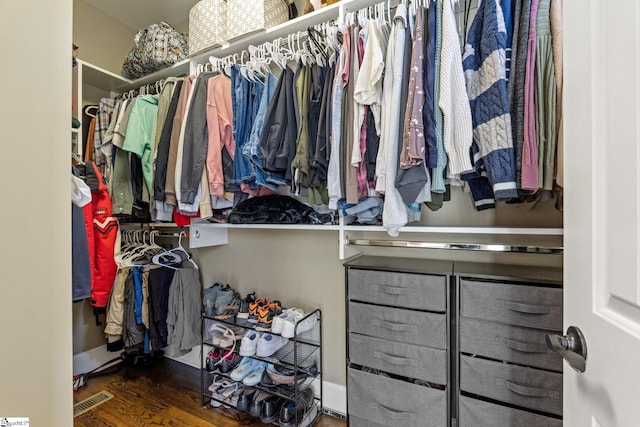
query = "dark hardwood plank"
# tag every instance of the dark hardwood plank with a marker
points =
(167, 393)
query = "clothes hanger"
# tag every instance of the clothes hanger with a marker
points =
(158, 258)
(130, 258)
(315, 36)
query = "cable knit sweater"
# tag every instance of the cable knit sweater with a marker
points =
(484, 65)
(457, 130)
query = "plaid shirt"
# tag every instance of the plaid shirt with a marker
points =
(102, 146)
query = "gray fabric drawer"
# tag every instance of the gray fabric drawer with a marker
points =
(510, 343)
(409, 326)
(408, 360)
(375, 400)
(527, 387)
(532, 306)
(476, 413)
(404, 290)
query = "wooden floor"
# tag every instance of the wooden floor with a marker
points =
(167, 393)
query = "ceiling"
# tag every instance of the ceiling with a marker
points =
(137, 14)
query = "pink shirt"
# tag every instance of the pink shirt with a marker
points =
(220, 127)
(530, 147)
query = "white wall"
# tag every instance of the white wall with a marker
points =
(35, 319)
(102, 40)
(299, 268)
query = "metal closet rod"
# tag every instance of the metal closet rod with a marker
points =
(486, 247)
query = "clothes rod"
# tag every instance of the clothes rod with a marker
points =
(486, 247)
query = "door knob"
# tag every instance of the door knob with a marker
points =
(572, 347)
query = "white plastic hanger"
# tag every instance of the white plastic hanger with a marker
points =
(161, 258)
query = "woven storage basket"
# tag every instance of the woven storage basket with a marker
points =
(207, 25)
(249, 16)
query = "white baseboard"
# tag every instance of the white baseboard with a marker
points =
(91, 359)
(192, 358)
(334, 395)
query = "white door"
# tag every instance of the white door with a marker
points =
(602, 222)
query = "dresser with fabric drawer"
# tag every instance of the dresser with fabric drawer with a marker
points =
(398, 342)
(506, 375)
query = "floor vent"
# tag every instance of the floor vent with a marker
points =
(334, 414)
(90, 403)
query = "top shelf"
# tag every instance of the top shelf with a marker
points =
(100, 78)
(300, 23)
(95, 76)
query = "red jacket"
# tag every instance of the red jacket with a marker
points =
(105, 232)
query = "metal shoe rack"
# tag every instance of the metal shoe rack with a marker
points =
(300, 354)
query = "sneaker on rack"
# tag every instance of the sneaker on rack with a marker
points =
(296, 323)
(253, 308)
(243, 311)
(269, 344)
(266, 315)
(271, 409)
(245, 367)
(278, 321)
(209, 298)
(244, 401)
(256, 405)
(227, 305)
(229, 361)
(213, 357)
(254, 377)
(249, 343)
(292, 412)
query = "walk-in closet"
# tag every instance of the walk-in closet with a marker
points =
(485, 276)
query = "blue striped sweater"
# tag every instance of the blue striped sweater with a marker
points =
(484, 63)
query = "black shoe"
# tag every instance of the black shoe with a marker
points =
(229, 361)
(245, 399)
(243, 311)
(271, 409)
(255, 408)
(291, 413)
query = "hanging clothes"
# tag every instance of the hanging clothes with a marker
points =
(556, 34)
(334, 177)
(252, 149)
(141, 133)
(183, 315)
(245, 99)
(194, 142)
(105, 232)
(220, 118)
(545, 97)
(163, 211)
(516, 84)
(160, 280)
(530, 145)
(438, 172)
(102, 145)
(485, 70)
(81, 227)
(115, 311)
(395, 213)
(457, 122)
(412, 179)
(278, 135)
